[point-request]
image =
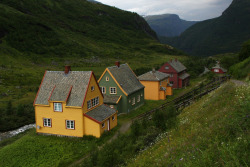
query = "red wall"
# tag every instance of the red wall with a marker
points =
(220, 71)
(171, 70)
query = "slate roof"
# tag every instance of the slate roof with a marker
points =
(126, 78)
(184, 76)
(56, 85)
(101, 113)
(110, 99)
(153, 76)
(219, 67)
(177, 65)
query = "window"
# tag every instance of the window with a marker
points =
(103, 124)
(129, 100)
(103, 89)
(58, 107)
(111, 106)
(92, 88)
(113, 118)
(46, 122)
(141, 95)
(89, 104)
(93, 102)
(166, 67)
(133, 101)
(172, 82)
(112, 90)
(107, 78)
(138, 98)
(70, 124)
(171, 75)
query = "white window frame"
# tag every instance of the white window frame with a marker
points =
(111, 106)
(47, 122)
(71, 126)
(58, 107)
(114, 90)
(133, 101)
(103, 124)
(167, 68)
(103, 89)
(171, 75)
(89, 104)
(138, 98)
(107, 78)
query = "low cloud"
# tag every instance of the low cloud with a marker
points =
(186, 9)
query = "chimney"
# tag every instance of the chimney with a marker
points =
(67, 69)
(117, 63)
(153, 70)
(176, 59)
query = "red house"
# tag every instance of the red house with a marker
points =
(177, 71)
(218, 69)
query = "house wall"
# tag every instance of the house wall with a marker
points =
(92, 94)
(151, 90)
(58, 120)
(132, 107)
(169, 91)
(123, 104)
(162, 95)
(92, 128)
(112, 124)
(220, 71)
(171, 70)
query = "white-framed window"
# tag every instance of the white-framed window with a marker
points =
(113, 117)
(171, 75)
(112, 90)
(92, 88)
(89, 105)
(107, 78)
(103, 89)
(70, 124)
(46, 122)
(216, 70)
(138, 98)
(111, 106)
(141, 95)
(58, 107)
(133, 101)
(172, 82)
(166, 67)
(103, 124)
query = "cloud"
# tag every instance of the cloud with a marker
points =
(186, 9)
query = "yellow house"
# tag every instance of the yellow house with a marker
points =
(156, 85)
(70, 103)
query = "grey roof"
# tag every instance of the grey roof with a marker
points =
(101, 113)
(126, 78)
(219, 67)
(153, 76)
(184, 76)
(110, 99)
(177, 65)
(57, 84)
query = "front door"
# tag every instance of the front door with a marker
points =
(108, 124)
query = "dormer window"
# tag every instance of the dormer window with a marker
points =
(58, 107)
(107, 78)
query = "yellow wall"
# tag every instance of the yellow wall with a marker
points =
(58, 120)
(92, 127)
(169, 91)
(162, 95)
(151, 91)
(92, 94)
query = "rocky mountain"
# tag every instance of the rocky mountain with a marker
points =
(168, 25)
(219, 35)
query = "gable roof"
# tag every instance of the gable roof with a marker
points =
(126, 78)
(184, 76)
(101, 113)
(58, 86)
(153, 76)
(177, 65)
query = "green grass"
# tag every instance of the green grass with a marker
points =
(211, 133)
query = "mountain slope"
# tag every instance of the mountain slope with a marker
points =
(210, 133)
(79, 28)
(168, 25)
(219, 35)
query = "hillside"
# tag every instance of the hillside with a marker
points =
(210, 133)
(219, 35)
(168, 25)
(47, 35)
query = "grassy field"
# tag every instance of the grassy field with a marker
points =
(210, 133)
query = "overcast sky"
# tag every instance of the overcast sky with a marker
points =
(186, 9)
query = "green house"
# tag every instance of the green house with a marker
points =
(121, 88)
